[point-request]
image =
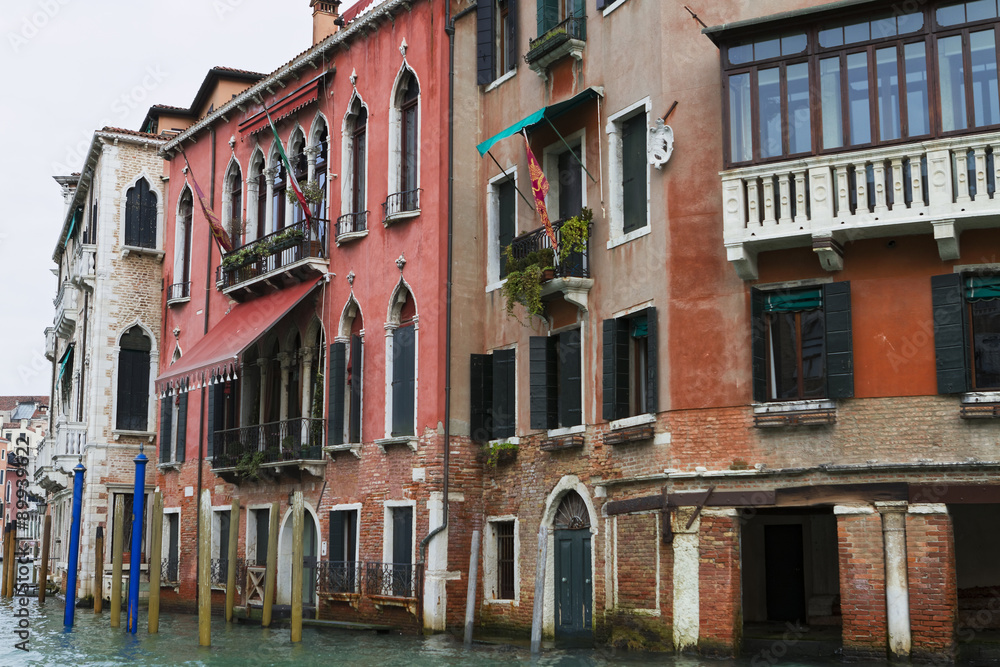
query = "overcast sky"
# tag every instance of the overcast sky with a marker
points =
(70, 67)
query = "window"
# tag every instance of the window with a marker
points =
(125, 500)
(320, 209)
(408, 135)
(356, 153)
(343, 573)
(493, 392)
(802, 346)
(556, 388)
(496, 39)
(133, 381)
(401, 551)
(502, 222)
(140, 215)
(553, 12)
(258, 528)
(505, 559)
(346, 381)
(182, 256)
(863, 81)
(300, 165)
(173, 427)
(223, 399)
(629, 169)
(404, 148)
(256, 198)
(401, 365)
(233, 206)
(967, 332)
(278, 199)
(171, 540)
(630, 360)
(220, 547)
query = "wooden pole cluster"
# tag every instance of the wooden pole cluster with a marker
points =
(117, 538)
(297, 556)
(205, 571)
(8, 553)
(234, 536)
(99, 570)
(155, 554)
(271, 573)
(43, 579)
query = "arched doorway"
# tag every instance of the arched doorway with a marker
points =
(573, 570)
(310, 552)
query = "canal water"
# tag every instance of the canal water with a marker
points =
(93, 642)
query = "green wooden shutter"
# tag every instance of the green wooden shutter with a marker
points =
(357, 386)
(615, 369)
(338, 384)
(403, 380)
(950, 334)
(511, 28)
(485, 42)
(548, 15)
(758, 344)
(166, 426)
(609, 331)
(570, 412)
(538, 380)
(503, 393)
(652, 385)
(182, 420)
(839, 340)
(213, 404)
(634, 170)
(480, 397)
(337, 546)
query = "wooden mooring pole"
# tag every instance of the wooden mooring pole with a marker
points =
(271, 574)
(234, 535)
(117, 537)
(539, 606)
(297, 526)
(470, 595)
(155, 556)
(43, 578)
(99, 570)
(205, 570)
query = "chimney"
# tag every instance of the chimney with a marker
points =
(326, 19)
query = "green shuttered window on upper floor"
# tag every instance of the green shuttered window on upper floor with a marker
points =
(966, 331)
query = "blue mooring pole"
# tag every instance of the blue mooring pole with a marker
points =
(74, 545)
(138, 516)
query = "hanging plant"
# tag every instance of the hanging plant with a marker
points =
(524, 280)
(500, 452)
(239, 257)
(574, 233)
(248, 465)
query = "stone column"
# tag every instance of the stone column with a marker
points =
(269, 174)
(262, 364)
(687, 562)
(311, 154)
(307, 381)
(286, 371)
(720, 617)
(930, 545)
(897, 598)
(862, 581)
(253, 190)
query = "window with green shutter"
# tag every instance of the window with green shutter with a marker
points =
(966, 331)
(629, 365)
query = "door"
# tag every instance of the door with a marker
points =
(402, 551)
(574, 588)
(784, 572)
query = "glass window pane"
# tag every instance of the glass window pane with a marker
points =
(887, 89)
(799, 127)
(831, 37)
(769, 103)
(984, 78)
(882, 28)
(857, 99)
(986, 341)
(917, 94)
(740, 54)
(858, 32)
(784, 356)
(833, 120)
(792, 44)
(740, 132)
(770, 48)
(813, 354)
(907, 23)
(951, 73)
(951, 15)
(978, 10)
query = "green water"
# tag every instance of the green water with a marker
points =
(93, 642)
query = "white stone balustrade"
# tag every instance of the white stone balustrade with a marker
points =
(67, 309)
(83, 265)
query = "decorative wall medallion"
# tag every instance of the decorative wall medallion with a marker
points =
(350, 278)
(660, 145)
(400, 262)
(402, 48)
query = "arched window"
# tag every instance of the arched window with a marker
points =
(359, 168)
(408, 134)
(278, 188)
(133, 381)
(182, 252)
(572, 513)
(346, 378)
(404, 150)
(232, 208)
(401, 364)
(140, 216)
(300, 164)
(256, 198)
(320, 209)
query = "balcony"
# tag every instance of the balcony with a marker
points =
(67, 310)
(352, 226)
(400, 206)
(289, 447)
(571, 276)
(565, 39)
(393, 584)
(281, 258)
(50, 343)
(82, 266)
(938, 187)
(179, 293)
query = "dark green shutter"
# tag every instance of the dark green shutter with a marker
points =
(758, 344)
(182, 420)
(950, 333)
(484, 42)
(213, 401)
(548, 15)
(538, 372)
(338, 384)
(357, 384)
(608, 330)
(337, 550)
(503, 392)
(839, 340)
(634, 173)
(652, 385)
(480, 390)
(511, 28)
(403, 380)
(166, 424)
(570, 413)
(615, 369)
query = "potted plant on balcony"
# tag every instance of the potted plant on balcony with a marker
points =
(312, 192)
(239, 257)
(525, 277)
(574, 234)
(248, 465)
(499, 453)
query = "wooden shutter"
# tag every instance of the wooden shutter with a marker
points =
(337, 546)
(182, 420)
(615, 369)
(570, 413)
(548, 15)
(132, 209)
(652, 383)
(484, 42)
(839, 340)
(338, 386)
(634, 173)
(538, 381)
(133, 390)
(511, 28)
(950, 334)
(480, 397)
(216, 414)
(403, 385)
(357, 385)
(402, 535)
(504, 393)
(758, 345)
(166, 427)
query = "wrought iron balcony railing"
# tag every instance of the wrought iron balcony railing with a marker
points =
(575, 27)
(400, 580)
(401, 202)
(576, 264)
(273, 252)
(179, 291)
(290, 440)
(338, 577)
(352, 222)
(169, 568)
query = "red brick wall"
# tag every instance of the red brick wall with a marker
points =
(862, 584)
(930, 555)
(720, 616)
(636, 560)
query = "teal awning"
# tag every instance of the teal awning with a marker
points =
(77, 214)
(67, 356)
(545, 113)
(982, 288)
(791, 302)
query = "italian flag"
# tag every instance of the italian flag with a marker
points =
(288, 170)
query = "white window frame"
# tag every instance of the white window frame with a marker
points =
(493, 257)
(387, 533)
(491, 563)
(550, 165)
(396, 133)
(347, 165)
(154, 365)
(391, 325)
(347, 507)
(165, 541)
(616, 210)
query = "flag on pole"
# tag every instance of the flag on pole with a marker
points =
(540, 188)
(288, 169)
(221, 237)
